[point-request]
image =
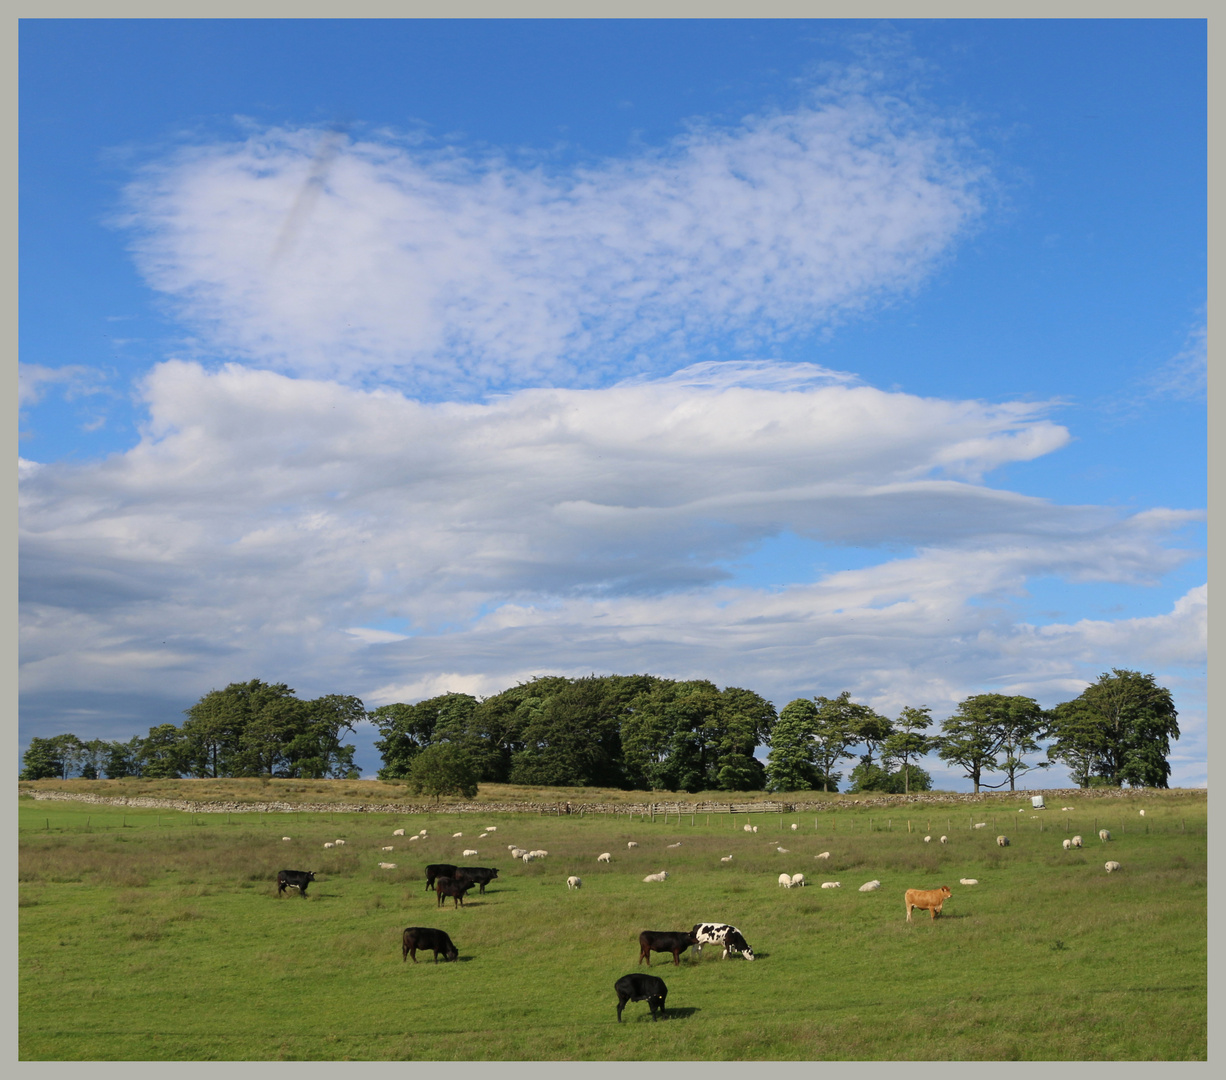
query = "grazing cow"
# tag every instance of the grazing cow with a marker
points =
(294, 879)
(1076, 841)
(398, 832)
(1112, 865)
(631, 843)
(640, 987)
(423, 937)
(944, 839)
(1104, 835)
(823, 855)
(785, 880)
(476, 875)
(574, 882)
(927, 839)
(671, 941)
(927, 900)
(969, 881)
(604, 856)
(387, 866)
(721, 934)
(661, 876)
(1067, 844)
(870, 886)
(832, 884)
(469, 852)
(453, 887)
(726, 858)
(438, 870)
(1002, 841)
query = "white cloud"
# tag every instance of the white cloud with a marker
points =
(300, 251)
(33, 380)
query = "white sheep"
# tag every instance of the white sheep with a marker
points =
(604, 856)
(390, 847)
(1077, 841)
(631, 843)
(340, 843)
(539, 853)
(422, 833)
(1021, 809)
(412, 838)
(661, 876)
(329, 844)
(968, 881)
(469, 851)
(783, 851)
(823, 855)
(726, 858)
(798, 879)
(1104, 835)
(870, 886)
(527, 856)
(785, 880)
(1066, 808)
(755, 828)
(398, 832)
(1068, 844)
(927, 839)
(1112, 865)
(795, 826)
(483, 836)
(981, 825)
(832, 884)
(387, 866)
(574, 882)
(286, 838)
(1002, 841)
(1142, 812)
(491, 828)
(456, 835)
(672, 847)
(944, 839)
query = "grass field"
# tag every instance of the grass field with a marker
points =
(159, 935)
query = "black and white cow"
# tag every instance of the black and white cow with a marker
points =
(710, 933)
(294, 879)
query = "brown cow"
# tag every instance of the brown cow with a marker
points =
(927, 900)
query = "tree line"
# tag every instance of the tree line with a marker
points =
(642, 732)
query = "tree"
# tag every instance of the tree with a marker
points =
(907, 742)
(442, 769)
(1119, 728)
(406, 729)
(972, 737)
(1021, 727)
(840, 724)
(123, 759)
(315, 751)
(790, 765)
(163, 753)
(869, 777)
(50, 758)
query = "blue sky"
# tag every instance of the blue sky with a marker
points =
(393, 358)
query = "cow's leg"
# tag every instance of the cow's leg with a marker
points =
(909, 912)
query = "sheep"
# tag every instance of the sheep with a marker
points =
(387, 866)
(340, 843)
(422, 833)
(870, 886)
(1142, 812)
(491, 828)
(823, 855)
(539, 853)
(412, 838)
(726, 858)
(661, 876)
(1002, 841)
(1112, 865)
(785, 880)
(673, 847)
(574, 882)
(981, 825)
(286, 838)
(1068, 844)
(390, 847)
(1066, 808)
(944, 839)
(795, 826)
(469, 851)
(329, 844)
(1077, 841)
(832, 884)
(968, 881)
(749, 828)
(798, 879)
(1021, 809)
(783, 851)
(483, 836)
(631, 843)
(927, 839)
(456, 835)
(755, 828)
(1104, 835)
(398, 832)
(604, 856)
(527, 856)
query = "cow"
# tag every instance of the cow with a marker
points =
(673, 941)
(294, 879)
(573, 882)
(477, 875)
(721, 934)
(638, 986)
(453, 887)
(438, 870)
(423, 937)
(926, 900)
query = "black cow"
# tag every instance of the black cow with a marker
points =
(478, 875)
(423, 937)
(673, 941)
(438, 870)
(640, 987)
(295, 879)
(453, 887)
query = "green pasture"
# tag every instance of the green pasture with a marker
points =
(159, 935)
